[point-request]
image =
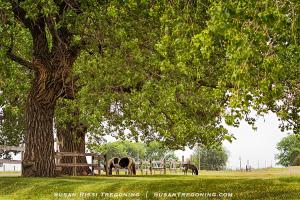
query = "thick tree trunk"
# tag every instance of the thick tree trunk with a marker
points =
(47, 87)
(72, 139)
(52, 68)
(39, 153)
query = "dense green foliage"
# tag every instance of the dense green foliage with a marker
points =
(165, 70)
(120, 149)
(149, 85)
(260, 41)
(289, 149)
(210, 158)
(12, 100)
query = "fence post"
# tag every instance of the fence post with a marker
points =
(160, 166)
(150, 166)
(74, 167)
(147, 167)
(58, 162)
(22, 156)
(165, 169)
(99, 167)
(93, 173)
(175, 167)
(106, 165)
(182, 162)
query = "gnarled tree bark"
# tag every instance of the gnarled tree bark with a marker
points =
(52, 79)
(39, 155)
(47, 87)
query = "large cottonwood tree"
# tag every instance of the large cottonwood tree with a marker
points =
(46, 37)
(165, 70)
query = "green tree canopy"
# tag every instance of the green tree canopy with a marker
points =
(159, 91)
(289, 149)
(12, 104)
(260, 41)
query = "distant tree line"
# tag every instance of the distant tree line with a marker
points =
(213, 158)
(137, 150)
(289, 151)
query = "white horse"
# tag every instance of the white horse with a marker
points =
(125, 162)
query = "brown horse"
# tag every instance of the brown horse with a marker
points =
(191, 167)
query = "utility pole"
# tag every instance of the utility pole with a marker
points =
(247, 166)
(265, 163)
(240, 163)
(271, 164)
(198, 156)
(138, 158)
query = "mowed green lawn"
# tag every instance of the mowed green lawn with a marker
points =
(283, 184)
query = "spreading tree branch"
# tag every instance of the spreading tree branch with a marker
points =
(19, 59)
(36, 28)
(15, 57)
(20, 14)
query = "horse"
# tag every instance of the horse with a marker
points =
(125, 162)
(114, 163)
(191, 167)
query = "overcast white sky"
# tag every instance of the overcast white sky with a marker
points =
(259, 147)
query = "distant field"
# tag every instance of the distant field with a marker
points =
(8, 172)
(15, 173)
(264, 184)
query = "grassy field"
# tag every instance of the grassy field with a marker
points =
(259, 184)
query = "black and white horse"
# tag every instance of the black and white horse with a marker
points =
(118, 163)
(192, 167)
